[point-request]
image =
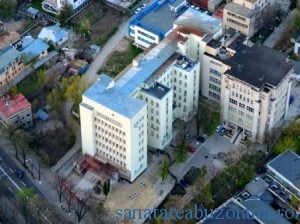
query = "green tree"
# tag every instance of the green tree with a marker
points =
(74, 88)
(24, 139)
(41, 77)
(84, 26)
(106, 187)
(294, 201)
(64, 15)
(181, 152)
(286, 142)
(163, 170)
(54, 99)
(7, 8)
(27, 200)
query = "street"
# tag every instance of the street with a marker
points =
(10, 183)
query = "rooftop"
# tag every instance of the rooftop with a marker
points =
(200, 21)
(156, 90)
(12, 105)
(224, 218)
(185, 63)
(249, 65)
(160, 17)
(54, 33)
(150, 63)
(264, 212)
(7, 55)
(256, 187)
(107, 94)
(287, 164)
(35, 48)
(240, 10)
(219, 12)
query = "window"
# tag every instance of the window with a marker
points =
(250, 109)
(232, 101)
(215, 72)
(242, 105)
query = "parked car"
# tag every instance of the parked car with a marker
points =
(143, 6)
(197, 8)
(184, 183)
(200, 139)
(137, 11)
(19, 173)
(191, 149)
(188, 136)
(192, 6)
(219, 127)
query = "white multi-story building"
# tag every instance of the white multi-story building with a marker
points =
(54, 6)
(141, 105)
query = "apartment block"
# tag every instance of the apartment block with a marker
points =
(247, 16)
(15, 111)
(162, 85)
(11, 65)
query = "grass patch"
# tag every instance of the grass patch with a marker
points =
(104, 37)
(89, 15)
(29, 85)
(37, 4)
(119, 60)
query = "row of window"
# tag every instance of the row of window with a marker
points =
(215, 72)
(215, 80)
(236, 16)
(144, 40)
(116, 160)
(215, 88)
(214, 95)
(237, 23)
(146, 35)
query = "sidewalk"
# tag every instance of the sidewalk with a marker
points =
(75, 150)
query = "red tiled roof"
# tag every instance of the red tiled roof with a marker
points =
(189, 30)
(12, 105)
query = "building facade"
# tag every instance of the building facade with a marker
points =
(54, 6)
(15, 111)
(11, 65)
(161, 86)
(247, 16)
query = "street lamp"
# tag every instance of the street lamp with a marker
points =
(32, 166)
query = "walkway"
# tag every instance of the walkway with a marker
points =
(276, 35)
(107, 49)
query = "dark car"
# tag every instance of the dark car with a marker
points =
(261, 170)
(184, 183)
(19, 173)
(222, 131)
(200, 139)
(188, 136)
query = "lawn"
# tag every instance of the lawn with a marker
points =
(119, 60)
(29, 85)
(37, 4)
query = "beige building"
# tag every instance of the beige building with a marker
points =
(11, 65)
(15, 111)
(253, 97)
(247, 16)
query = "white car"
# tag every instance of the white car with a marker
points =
(192, 6)
(219, 128)
(137, 11)
(197, 8)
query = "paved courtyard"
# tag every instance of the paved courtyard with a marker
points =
(214, 145)
(137, 195)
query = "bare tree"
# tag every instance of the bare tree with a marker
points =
(24, 140)
(39, 167)
(100, 214)
(68, 195)
(82, 207)
(58, 186)
(8, 133)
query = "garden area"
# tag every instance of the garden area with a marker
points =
(96, 24)
(120, 58)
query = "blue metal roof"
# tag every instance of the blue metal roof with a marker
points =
(7, 55)
(56, 32)
(35, 48)
(42, 114)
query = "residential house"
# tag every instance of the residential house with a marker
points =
(15, 110)
(54, 6)
(54, 34)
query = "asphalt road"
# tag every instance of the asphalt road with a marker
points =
(10, 184)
